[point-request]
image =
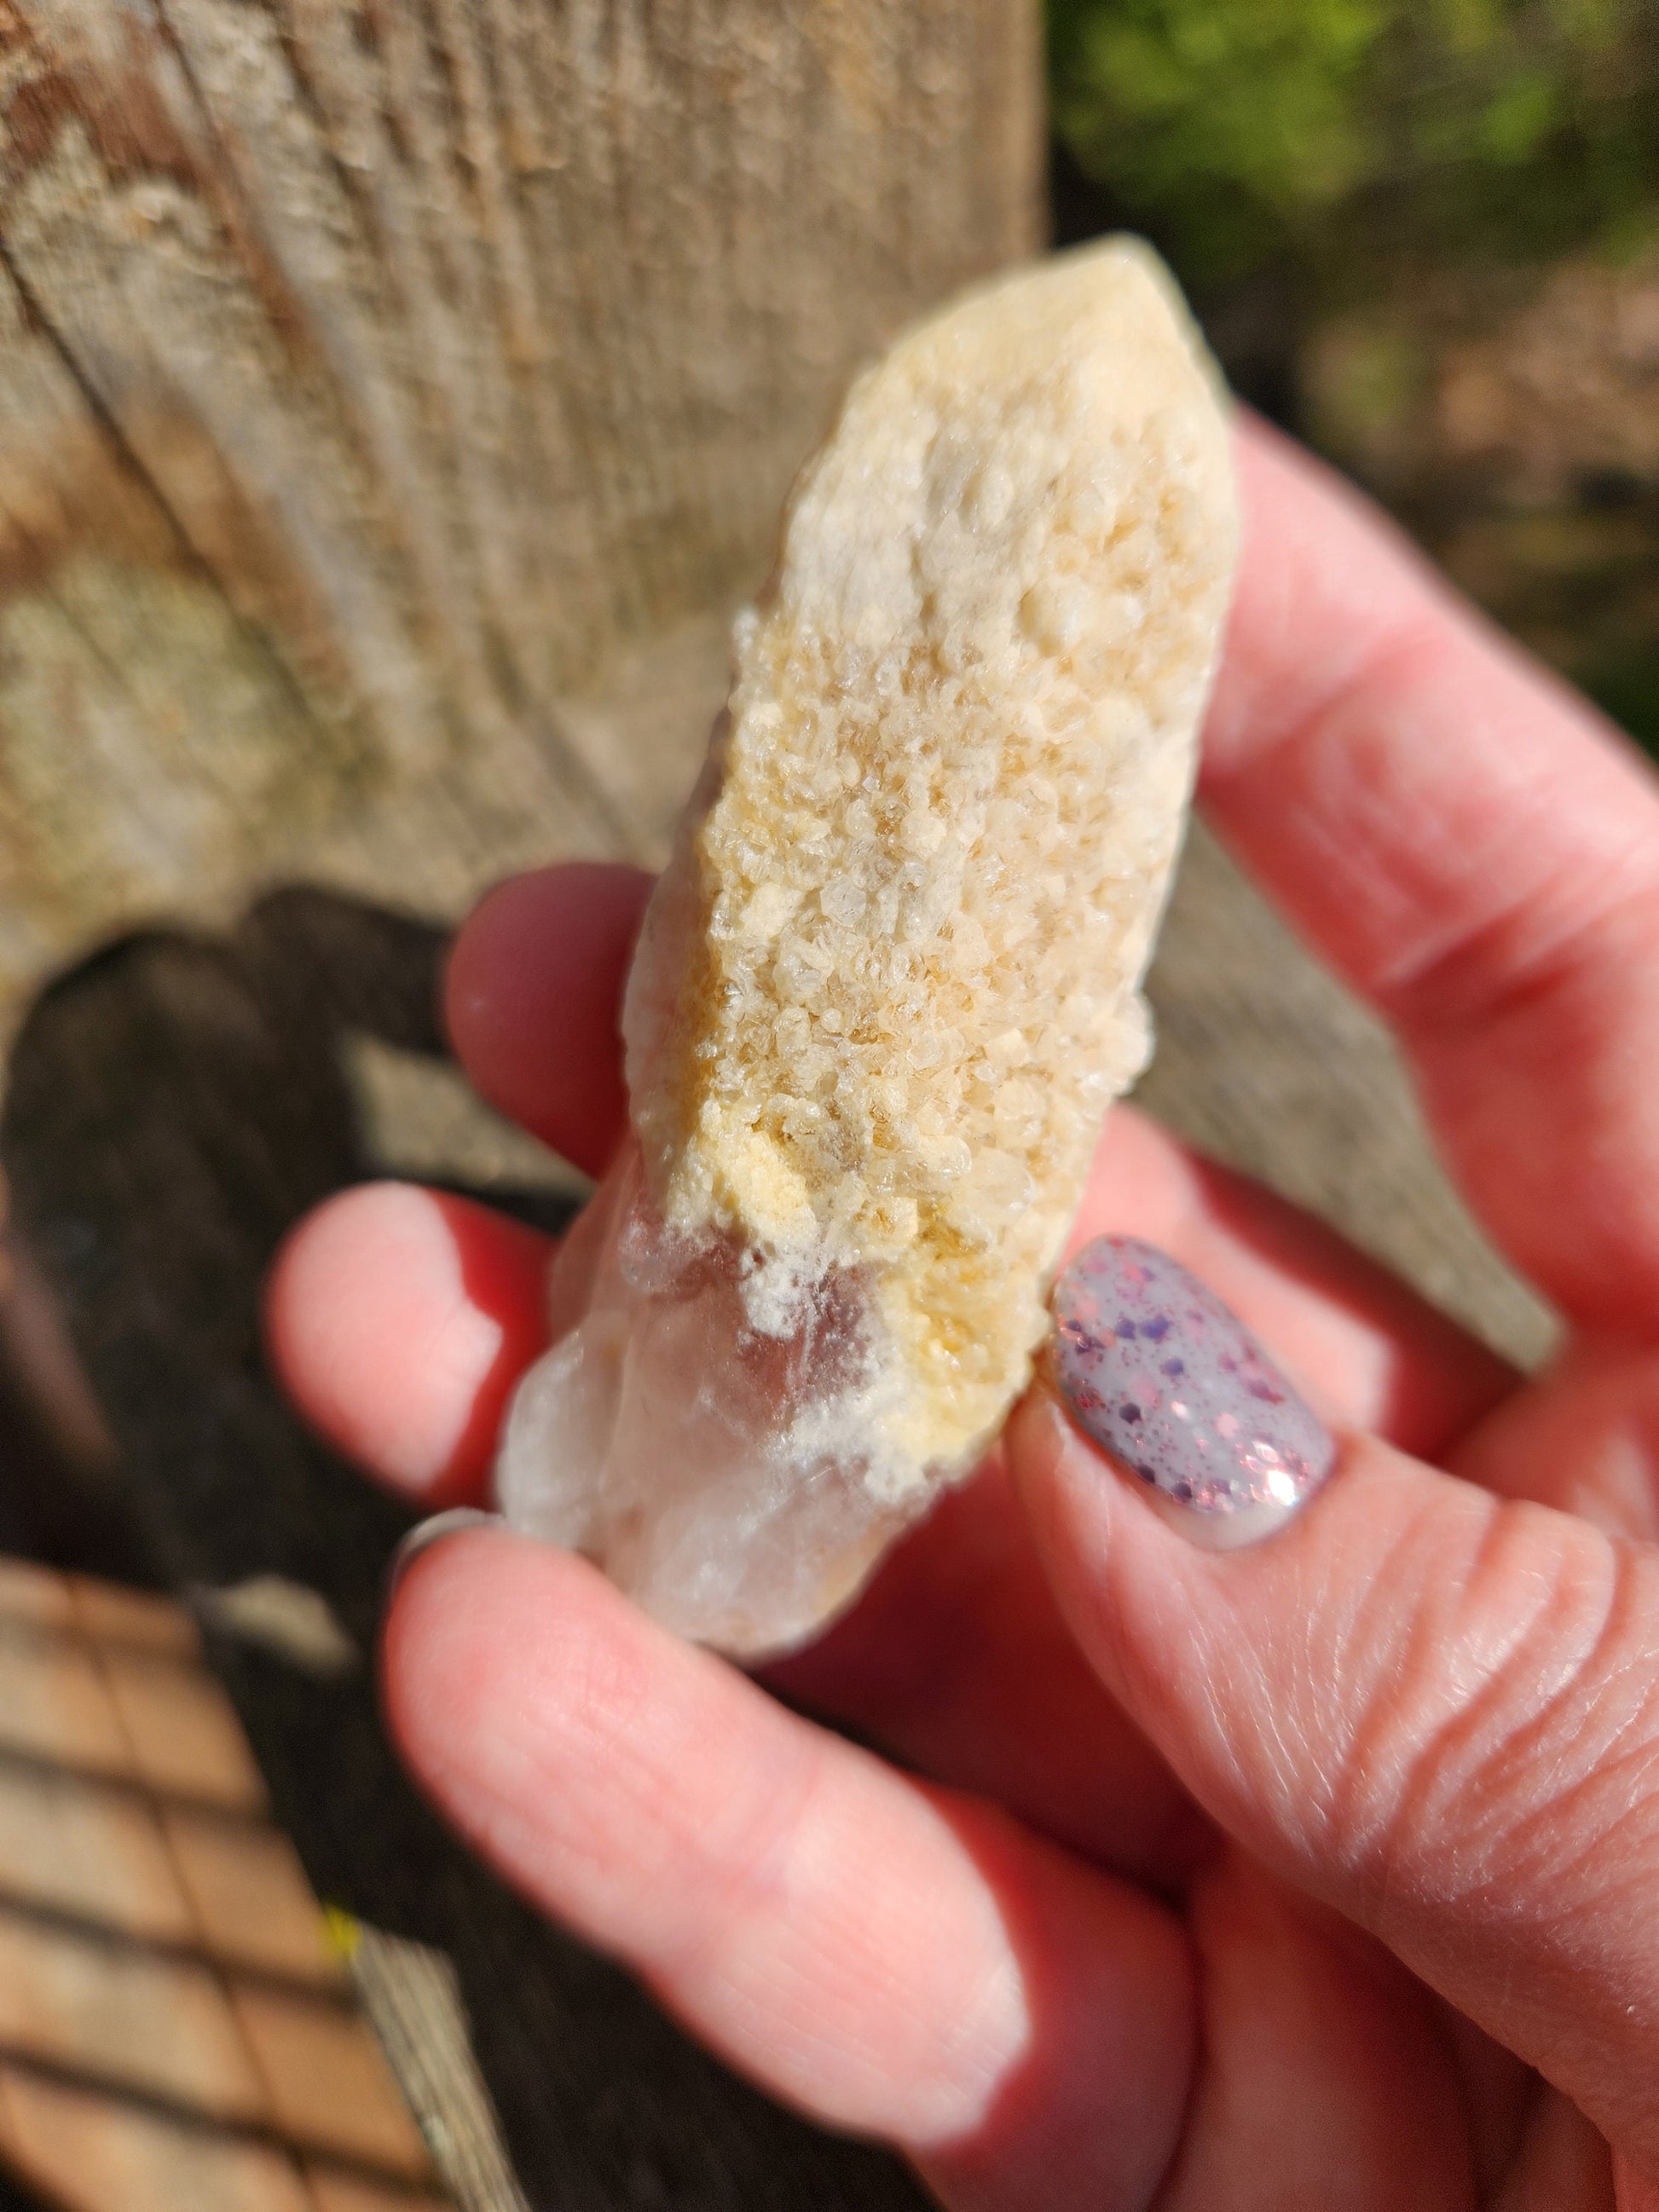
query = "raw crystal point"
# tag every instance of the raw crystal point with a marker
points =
(888, 981)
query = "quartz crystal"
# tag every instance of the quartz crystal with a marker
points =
(889, 982)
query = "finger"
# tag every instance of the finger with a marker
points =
(530, 1001)
(1315, 2042)
(1584, 1437)
(398, 1320)
(1433, 1708)
(1363, 1347)
(1475, 848)
(396, 1324)
(534, 980)
(955, 1659)
(906, 1965)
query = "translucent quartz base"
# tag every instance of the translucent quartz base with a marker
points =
(710, 1469)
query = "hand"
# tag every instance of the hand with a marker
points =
(1323, 1873)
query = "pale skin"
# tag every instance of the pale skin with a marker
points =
(1324, 1874)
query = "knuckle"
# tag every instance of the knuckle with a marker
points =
(1509, 1747)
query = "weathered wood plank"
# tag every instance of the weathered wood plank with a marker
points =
(177, 2029)
(382, 386)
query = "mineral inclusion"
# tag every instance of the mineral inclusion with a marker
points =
(889, 982)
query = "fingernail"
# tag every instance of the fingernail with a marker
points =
(1156, 1372)
(425, 1534)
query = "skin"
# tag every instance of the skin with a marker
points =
(1324, 1874)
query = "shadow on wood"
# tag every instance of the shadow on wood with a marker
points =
(177, 2026)
(175, 1103)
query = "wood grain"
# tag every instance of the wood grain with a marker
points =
(152, 2055)
(390, 394)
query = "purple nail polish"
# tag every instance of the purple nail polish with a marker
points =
(1157, 1370)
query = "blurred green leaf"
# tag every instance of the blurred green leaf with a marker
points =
(1627, 690)
(1337, 134)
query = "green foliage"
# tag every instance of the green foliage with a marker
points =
(1329, 132)
(1627, 688)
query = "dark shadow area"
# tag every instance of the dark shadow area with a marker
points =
(61, 1499)
(15, 2197)
(175, 1103)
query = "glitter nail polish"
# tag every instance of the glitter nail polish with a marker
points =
(1160, 1374)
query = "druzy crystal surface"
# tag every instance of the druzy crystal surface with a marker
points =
(889, 982)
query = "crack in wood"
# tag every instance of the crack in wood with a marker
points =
(133, 464)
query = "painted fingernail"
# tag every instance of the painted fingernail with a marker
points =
(433, 1530)
(1154, 1370)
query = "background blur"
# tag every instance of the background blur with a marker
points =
(1425, 234)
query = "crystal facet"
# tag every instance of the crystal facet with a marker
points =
(888, 981)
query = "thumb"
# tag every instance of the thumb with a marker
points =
(1436, 1710)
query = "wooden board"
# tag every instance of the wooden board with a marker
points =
(395, 398)
(179, 2032)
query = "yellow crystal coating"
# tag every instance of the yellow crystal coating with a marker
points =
(910, 915)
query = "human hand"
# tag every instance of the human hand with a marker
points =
(1319, 1873)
